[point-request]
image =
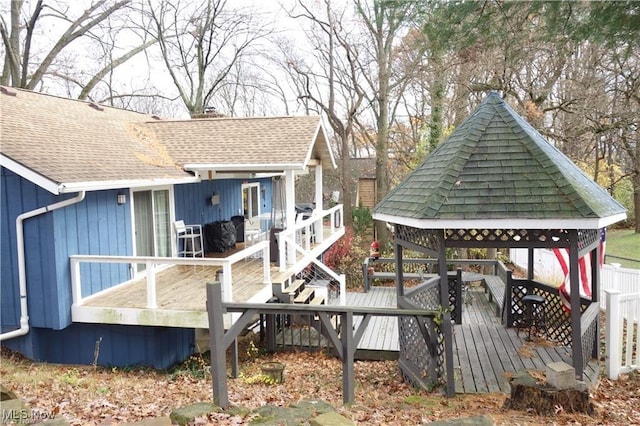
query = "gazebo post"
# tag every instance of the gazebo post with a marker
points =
(595, 291)
(446, 314)
(399, 277)
(530, 252)
(574, 280)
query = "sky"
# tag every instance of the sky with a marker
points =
(145, 68)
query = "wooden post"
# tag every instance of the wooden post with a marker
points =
(447, 330)
(613, 334)
(458, 288)
(151, 286)
(216, 344)
(595, 296)
(234, 359)
(507, 311)
(399, 271)
(530, 260)
(348, 387)
(574, 282)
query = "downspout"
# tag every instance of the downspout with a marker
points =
(22, 275)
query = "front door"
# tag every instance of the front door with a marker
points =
(152, 225)
(251, 200)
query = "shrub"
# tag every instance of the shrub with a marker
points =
(362, 220)
(346, 257)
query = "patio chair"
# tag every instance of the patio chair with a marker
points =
(252, 231)
(189, 239)
(312, 229)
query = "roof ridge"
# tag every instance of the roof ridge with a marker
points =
(18, 90)
(265, 118)
(541, 149)
(480, 118)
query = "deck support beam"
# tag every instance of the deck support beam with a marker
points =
(216, 345)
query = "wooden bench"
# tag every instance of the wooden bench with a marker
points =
(496, 287)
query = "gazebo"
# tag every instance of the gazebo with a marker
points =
(495, 182)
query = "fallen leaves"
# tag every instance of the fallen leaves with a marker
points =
(85, 396)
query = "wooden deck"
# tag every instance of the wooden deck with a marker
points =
(381, 337)
(183, 287)
(486, 354)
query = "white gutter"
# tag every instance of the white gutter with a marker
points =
(22, 275)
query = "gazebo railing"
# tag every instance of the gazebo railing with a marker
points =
(558, 319)
(423, 363)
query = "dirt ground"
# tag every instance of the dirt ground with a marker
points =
(86, 395)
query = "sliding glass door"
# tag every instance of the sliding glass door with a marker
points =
(151, 212)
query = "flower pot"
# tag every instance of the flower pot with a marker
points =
(273, 370)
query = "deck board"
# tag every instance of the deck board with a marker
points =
(485, 354)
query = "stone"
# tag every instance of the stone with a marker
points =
(15, 411)
(532, 395)
(184, 415)
(466, 421)
(330, 419)
(561, 375)
(58, 421)
(273, 415)
(6, 394)
(314, 406)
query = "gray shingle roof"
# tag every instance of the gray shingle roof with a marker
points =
(69, 142)
(247, 142)
(495, 166)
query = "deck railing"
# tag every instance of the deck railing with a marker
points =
(155, 264)
(414, 268)
(308, 234)
(622, 333)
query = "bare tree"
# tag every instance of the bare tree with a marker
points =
(27, 71)
(331, 82)
(384, 22)
(201, 44)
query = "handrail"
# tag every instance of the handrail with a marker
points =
(287, 244)
(423, 261)
(151, 263)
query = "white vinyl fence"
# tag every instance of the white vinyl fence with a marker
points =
(619, 297)
(622, 332)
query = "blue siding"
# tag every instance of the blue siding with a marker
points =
(193, 201)
(20, 196)
(97, 226)
(10, 207)
(121, 345)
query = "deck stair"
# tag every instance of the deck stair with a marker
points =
(305, 296)
(288, 289)
(294, 289)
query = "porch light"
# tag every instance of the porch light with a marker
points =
(121, 198)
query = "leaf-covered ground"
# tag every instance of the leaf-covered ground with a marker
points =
(86, 395)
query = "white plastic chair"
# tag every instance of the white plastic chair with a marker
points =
(189, 239)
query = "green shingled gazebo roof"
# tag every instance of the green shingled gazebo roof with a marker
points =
(497, 171)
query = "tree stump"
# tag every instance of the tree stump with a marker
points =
(530, 393)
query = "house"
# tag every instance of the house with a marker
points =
(90, 197)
